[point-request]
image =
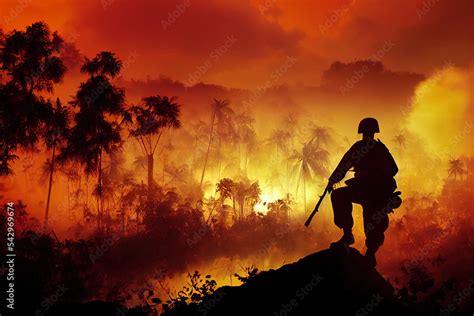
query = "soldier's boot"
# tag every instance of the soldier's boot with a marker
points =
(346, 240)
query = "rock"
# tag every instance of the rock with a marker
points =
(330, 282)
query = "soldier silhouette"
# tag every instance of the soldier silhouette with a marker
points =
(372, 186)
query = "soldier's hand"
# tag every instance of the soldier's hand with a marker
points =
(329, 187)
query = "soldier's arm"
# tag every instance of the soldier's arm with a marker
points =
(391, 165)
(393, 168)
(344, 165)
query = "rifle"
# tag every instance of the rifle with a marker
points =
(316, 208)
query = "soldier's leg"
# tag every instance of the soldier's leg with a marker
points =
(342, 207)
(375, 225)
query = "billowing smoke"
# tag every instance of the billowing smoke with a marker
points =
(440, 124)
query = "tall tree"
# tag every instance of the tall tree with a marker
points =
(56, 132)
(151, 118)
(456, 168)
(31, 62)
(199, 131)
(401, 140)
(281, 139)
(221, 113)
(310, 161)
(246, 136)
(290, 124)
(225, 188)
(101, 111)
(246, 193)
(320, 135)
(32, 59)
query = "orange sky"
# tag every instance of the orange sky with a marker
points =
(236, 47)
(425, 34)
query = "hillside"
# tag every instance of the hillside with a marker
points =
(329, 282)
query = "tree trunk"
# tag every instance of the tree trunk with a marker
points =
(150, 179)
(219, 158)
(138, 221)
(208, 147)
(99, 196)
(246, 158)
(51, 172)
(287, 177)
(233, 207)
(193, 166)
(5, 170)
(163, 172)
(68, 197)
(304, 193)
(240, 157)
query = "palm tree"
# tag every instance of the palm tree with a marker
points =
(290, 124)
(98, 121)
(140, 163)
(225, 189)
(456, 168)
(401, 140)
(246, 193)
(320, 135)
(280, 139)
(221, 113)
(155, 115)
(245, 133)
(72, 175)
(274, 180)
(310, 161)
(56, 133)
(253, 193)
(198, 132)
(226, 133)
(31, 60)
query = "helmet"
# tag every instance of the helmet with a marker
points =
(368, 125)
